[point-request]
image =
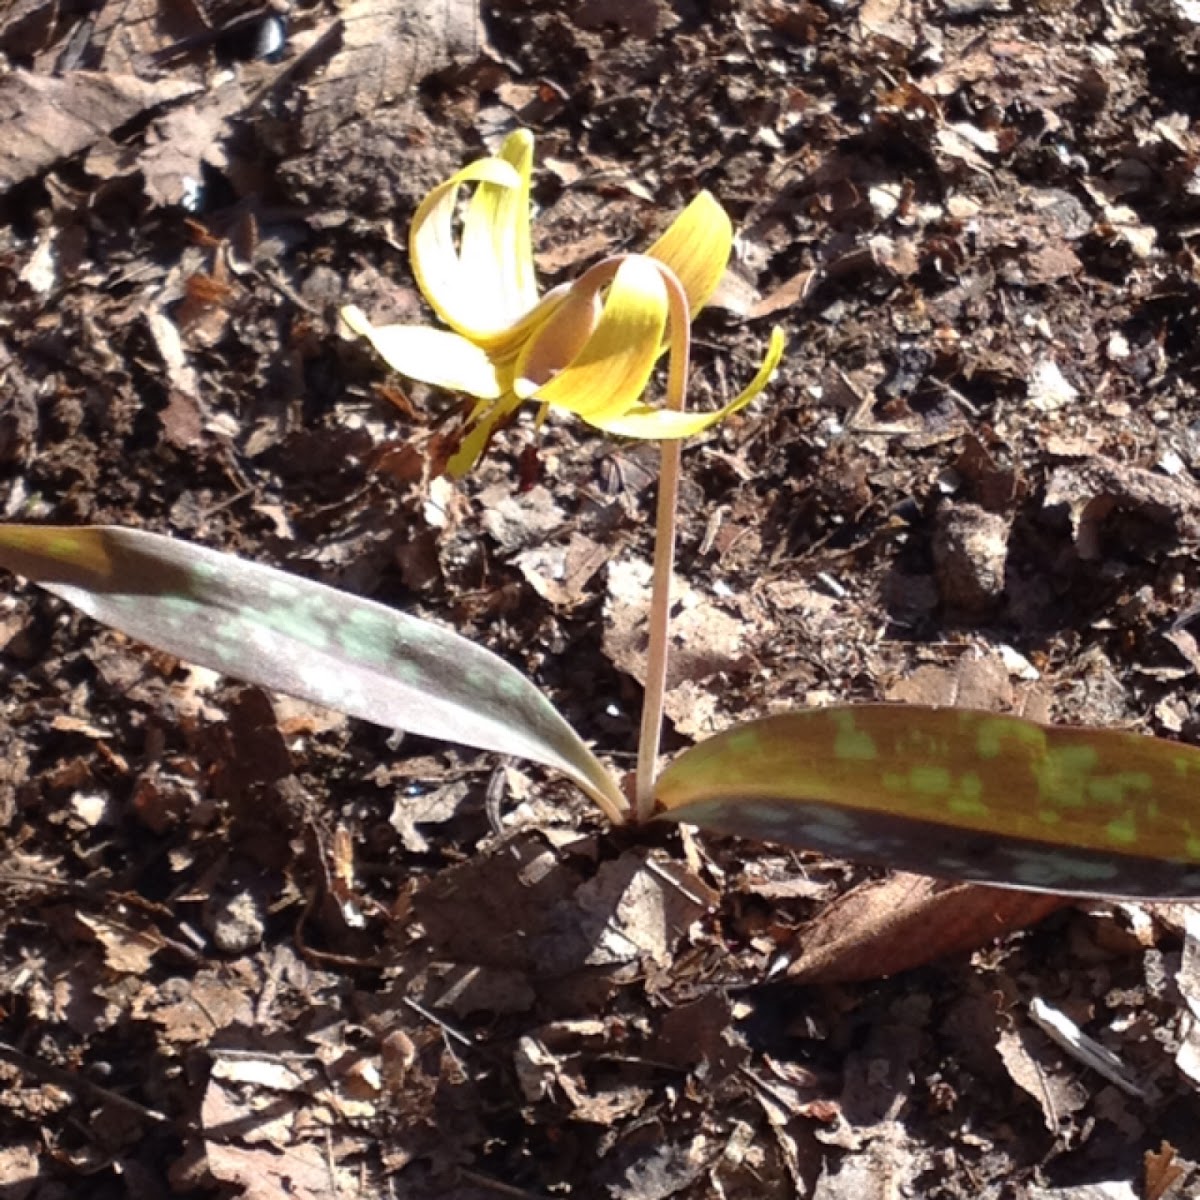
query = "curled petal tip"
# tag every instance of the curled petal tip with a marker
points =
(696, 246)
(662, 424)
(517, 149)
(434, 356)
(355, 320)
(482, 281)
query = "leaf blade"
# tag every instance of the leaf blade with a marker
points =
(957, 793)
(290, 634)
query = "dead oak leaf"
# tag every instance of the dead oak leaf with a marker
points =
(180, 143)
(1162, 1172)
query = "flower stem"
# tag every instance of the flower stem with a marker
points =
(659, 629)
(659, 617)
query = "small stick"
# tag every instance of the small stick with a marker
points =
(1061, 1029)
(76, 1084)
(503, 1189)
(445, 1026)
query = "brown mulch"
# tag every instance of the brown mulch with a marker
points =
(252, 948)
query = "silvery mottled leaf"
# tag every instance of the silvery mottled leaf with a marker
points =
(287, 633)
(953, 792)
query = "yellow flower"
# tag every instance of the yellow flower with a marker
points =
(588, 347)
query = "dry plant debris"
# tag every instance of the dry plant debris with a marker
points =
(249, 948)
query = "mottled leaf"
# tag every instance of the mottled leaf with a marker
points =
(955, 793)
(290, 634)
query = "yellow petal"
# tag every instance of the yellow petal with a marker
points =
(471, 296)
(434, 356)
(696, 247)
(660, 424)
(497, 233)
(475, 441)
(605, 379)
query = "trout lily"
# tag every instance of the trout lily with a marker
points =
(586, 347)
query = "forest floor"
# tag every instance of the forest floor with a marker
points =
(250, 947)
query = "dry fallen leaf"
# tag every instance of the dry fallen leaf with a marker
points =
(791, 293)
(636, 907)
(128, 35)
(48, 118)
(884, 927)
(879, 1171)
(705, 641)
(302, 1172)
(199, 1007)
(978, 679)
(180, 144)
(561, 573)
(1162, 1172)
(128, 951)
(1035, 1066)
(387, 48)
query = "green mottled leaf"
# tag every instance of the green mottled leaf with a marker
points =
(951, 792)
(286, 633)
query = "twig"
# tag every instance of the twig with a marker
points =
(445, 1026)
(76, 1084)
(494, 1185)
(1061, 1029)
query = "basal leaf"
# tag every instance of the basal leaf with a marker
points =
(951, 792)
(292, 635)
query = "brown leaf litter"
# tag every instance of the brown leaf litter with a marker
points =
(251, 946)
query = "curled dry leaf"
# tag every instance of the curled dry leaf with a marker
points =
(904, 921)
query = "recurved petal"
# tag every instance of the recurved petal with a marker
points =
(497, 232)
(559, 339)
(606, 377)
(660, 424)
(696, 247)
(434, 356)
(470, 296)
